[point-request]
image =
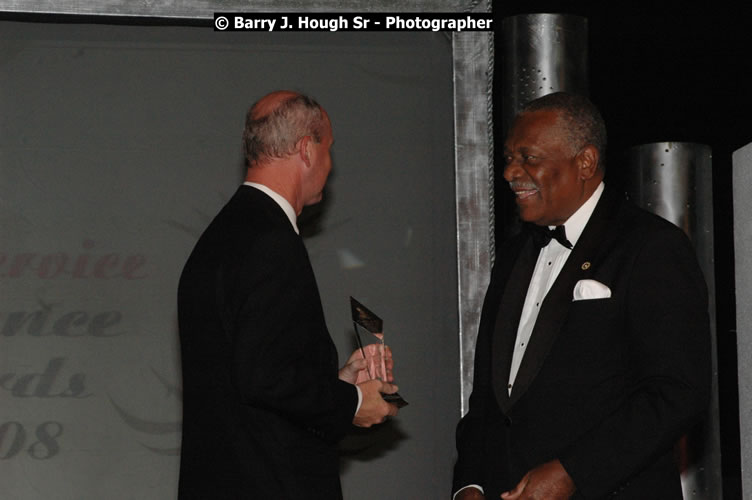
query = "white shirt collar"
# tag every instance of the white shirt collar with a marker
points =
(281, 201)
(576, 223)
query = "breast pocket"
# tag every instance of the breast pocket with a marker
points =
(593, 310)
(592, 333)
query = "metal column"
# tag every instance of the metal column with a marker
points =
(674, 180)
(543, 53)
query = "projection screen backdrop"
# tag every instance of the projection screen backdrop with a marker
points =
(119, 143)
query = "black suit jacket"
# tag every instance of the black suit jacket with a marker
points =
(607, 386)
(262, 407)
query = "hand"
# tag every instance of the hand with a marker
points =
(549, 481)
(470, 494)
(373, 409)
(355, 370)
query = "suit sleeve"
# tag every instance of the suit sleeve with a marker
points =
(283, 358)
(470, 435)
(668, 338)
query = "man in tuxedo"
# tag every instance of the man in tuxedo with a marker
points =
(264, 403)
(592, 356)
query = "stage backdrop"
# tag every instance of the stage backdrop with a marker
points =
(118, 144)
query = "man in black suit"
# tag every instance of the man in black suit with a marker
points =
(263, 401)
(592, 356)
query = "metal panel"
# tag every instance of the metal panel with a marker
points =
(205, 9)
(674, 180)
(474, 178)
(742, 179)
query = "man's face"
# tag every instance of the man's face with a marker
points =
(321, 163)
(542, 170)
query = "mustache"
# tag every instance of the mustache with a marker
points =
(521, 186)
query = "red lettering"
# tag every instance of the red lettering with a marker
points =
(132, 264)
(58, 265)
(107, 262)
(20, 262)
(52, 265)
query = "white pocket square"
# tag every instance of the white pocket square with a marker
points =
(591, 289)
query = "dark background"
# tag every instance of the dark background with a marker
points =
(666, 71)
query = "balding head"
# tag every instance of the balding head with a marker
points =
(277, 121)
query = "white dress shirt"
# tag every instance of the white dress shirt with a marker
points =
(281, 201)
(551, 260)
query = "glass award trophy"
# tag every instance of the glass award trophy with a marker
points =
(372, 346)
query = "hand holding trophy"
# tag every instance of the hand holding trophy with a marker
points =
(378, 355)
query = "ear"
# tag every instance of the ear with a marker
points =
(304, 150)
(587, 162)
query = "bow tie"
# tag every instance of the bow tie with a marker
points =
(542, 236)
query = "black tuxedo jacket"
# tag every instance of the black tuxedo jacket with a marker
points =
(262, 405)
(608, 385)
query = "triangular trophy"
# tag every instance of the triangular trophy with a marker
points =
(362, 316)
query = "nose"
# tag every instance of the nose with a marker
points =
(512, 170)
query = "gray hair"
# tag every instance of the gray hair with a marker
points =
(275, 134)
(581, 119)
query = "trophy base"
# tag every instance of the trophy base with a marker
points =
(395, 399)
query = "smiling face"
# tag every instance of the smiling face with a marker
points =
(550, 180)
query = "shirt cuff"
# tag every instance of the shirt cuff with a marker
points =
(360, 400)
(466, 487)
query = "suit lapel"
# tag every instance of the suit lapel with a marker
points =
(508, 317)
(581, 263)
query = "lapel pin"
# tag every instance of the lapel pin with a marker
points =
(585, 266)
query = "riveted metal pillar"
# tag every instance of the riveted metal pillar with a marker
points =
(674, 180)
(543, 53)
